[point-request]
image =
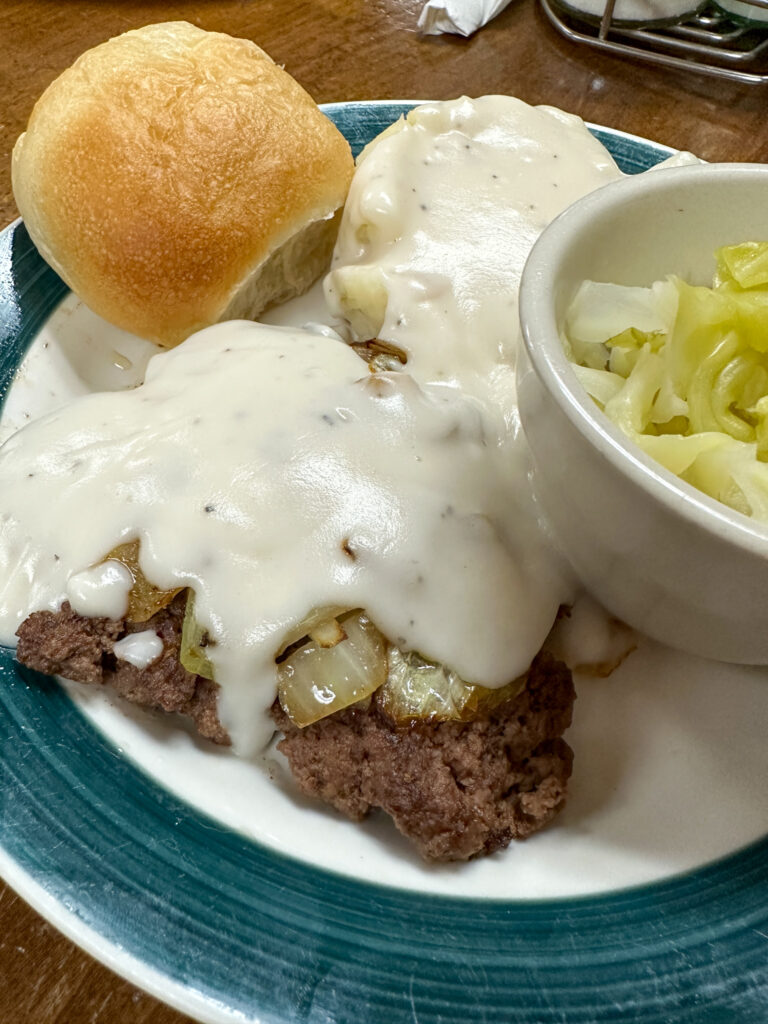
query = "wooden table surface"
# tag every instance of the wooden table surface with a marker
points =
(338, 50)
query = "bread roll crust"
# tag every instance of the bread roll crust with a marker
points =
(161, 170)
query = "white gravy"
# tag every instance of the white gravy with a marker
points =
(266, 469)
(101, 589)
(441, 215)
(139, 649)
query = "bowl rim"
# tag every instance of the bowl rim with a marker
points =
(544, 349)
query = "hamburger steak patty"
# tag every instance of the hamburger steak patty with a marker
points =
(456, 789)
(66, 644)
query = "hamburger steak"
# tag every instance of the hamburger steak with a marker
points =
(456, 789)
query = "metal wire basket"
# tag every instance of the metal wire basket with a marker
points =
(710, 42)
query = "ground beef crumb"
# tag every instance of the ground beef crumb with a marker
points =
(456, 789)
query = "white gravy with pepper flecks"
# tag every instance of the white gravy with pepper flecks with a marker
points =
(269, 471)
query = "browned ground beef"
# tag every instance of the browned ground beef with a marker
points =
(67, 644)
(456, 789)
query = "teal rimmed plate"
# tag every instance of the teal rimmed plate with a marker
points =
(228, 930)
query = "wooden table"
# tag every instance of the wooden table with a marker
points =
(338, 50)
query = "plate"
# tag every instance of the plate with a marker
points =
(228, 929)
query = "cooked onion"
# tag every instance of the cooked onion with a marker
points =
(315, 681)
(380, 355)
(316, 619)
(328, 633)
(350, 662)
(194, 640)
(144, 599)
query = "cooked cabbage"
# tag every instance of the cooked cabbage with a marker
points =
(683, 371)
(417, 689)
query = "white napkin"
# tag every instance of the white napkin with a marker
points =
(461, 17)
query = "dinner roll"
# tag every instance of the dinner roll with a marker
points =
(175, 177)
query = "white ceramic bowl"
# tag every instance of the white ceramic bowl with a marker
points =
(659, 554)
